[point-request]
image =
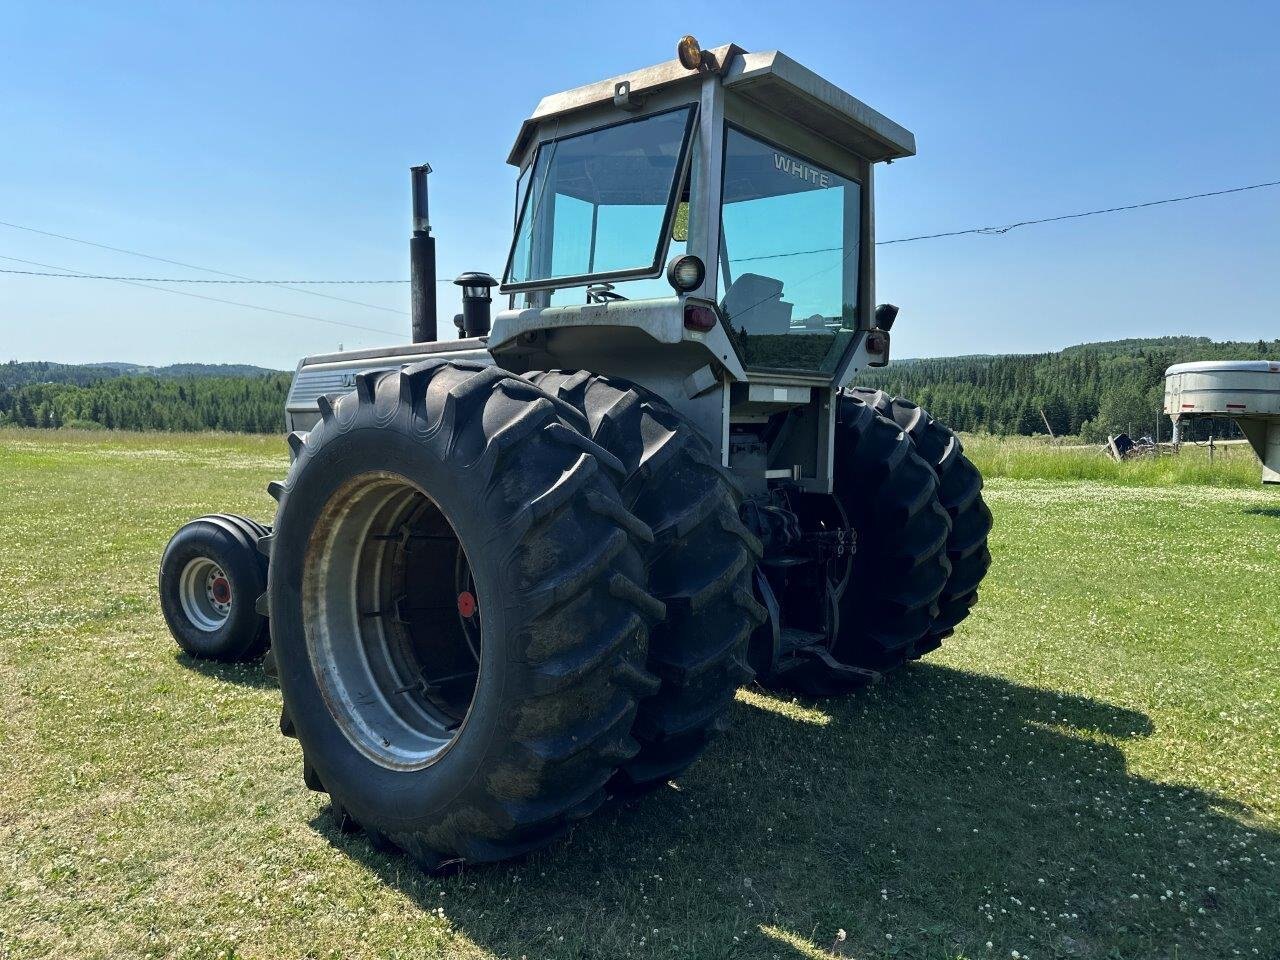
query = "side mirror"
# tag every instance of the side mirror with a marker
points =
(886, 314)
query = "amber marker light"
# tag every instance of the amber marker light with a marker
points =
(689, 52)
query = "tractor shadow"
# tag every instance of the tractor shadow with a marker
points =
(248, 674)
(925, 817)
(1272, 512)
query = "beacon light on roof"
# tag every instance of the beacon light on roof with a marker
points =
(689, 53)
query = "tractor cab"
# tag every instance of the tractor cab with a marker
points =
(704, 226)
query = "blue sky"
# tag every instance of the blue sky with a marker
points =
(273, 139)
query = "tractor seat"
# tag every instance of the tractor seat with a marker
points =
(754, 302)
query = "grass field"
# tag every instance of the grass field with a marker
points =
(1232, 464)
(1090, 768)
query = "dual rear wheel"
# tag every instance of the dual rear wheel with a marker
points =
(916, 501)
(699, 565)
(496, 600)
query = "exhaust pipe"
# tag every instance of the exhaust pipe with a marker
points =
(422, 261)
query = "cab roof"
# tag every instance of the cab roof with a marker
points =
(769, 80)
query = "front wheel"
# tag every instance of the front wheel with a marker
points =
(211, 576)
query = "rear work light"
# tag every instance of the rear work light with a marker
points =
(686, 273)
(699, 317)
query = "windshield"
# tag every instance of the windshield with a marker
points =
(599, 204)
(789, 247)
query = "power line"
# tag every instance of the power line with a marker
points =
(192, 266)
(101, 276)
(998, 230)
(200, 296)
(236, 279)
(993, 231)
(986, 231)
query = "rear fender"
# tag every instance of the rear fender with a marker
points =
(335, 373)
(618, 325)
(644, 341)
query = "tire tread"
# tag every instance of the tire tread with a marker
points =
(569, 708)
(700, 563)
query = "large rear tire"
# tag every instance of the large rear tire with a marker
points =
(459, 613)
(960, 493)
(700, 565)
(900, 565)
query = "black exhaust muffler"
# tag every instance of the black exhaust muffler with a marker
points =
(422, 261)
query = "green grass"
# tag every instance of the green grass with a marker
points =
(1036, 458)
(1090, 768)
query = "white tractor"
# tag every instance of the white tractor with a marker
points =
(513, 573)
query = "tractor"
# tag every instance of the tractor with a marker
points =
(518, 572)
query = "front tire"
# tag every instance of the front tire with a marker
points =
(211, 576)
(459, 617)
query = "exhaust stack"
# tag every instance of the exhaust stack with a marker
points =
(422, 261)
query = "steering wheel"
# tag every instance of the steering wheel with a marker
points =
(603, 293)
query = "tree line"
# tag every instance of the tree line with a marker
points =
(1088, 391)
(243, 404)
(16, 373)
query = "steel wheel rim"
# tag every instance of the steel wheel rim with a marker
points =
(204, 592)
(394, 657)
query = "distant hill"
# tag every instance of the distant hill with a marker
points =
(1196, 348)
(129, 396)
(1090, 390)
(17, 374)
(1086, 390)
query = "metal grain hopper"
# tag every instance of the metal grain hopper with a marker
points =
(1247, 391)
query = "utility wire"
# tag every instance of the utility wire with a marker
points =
(192, 266)
(101, 276)
(201, 296)
(1075, 216)
(293, 284)
(996, 231)
(985, 231)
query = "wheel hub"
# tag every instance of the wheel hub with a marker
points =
(392, 621)
(220, 590)
(204, 593)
